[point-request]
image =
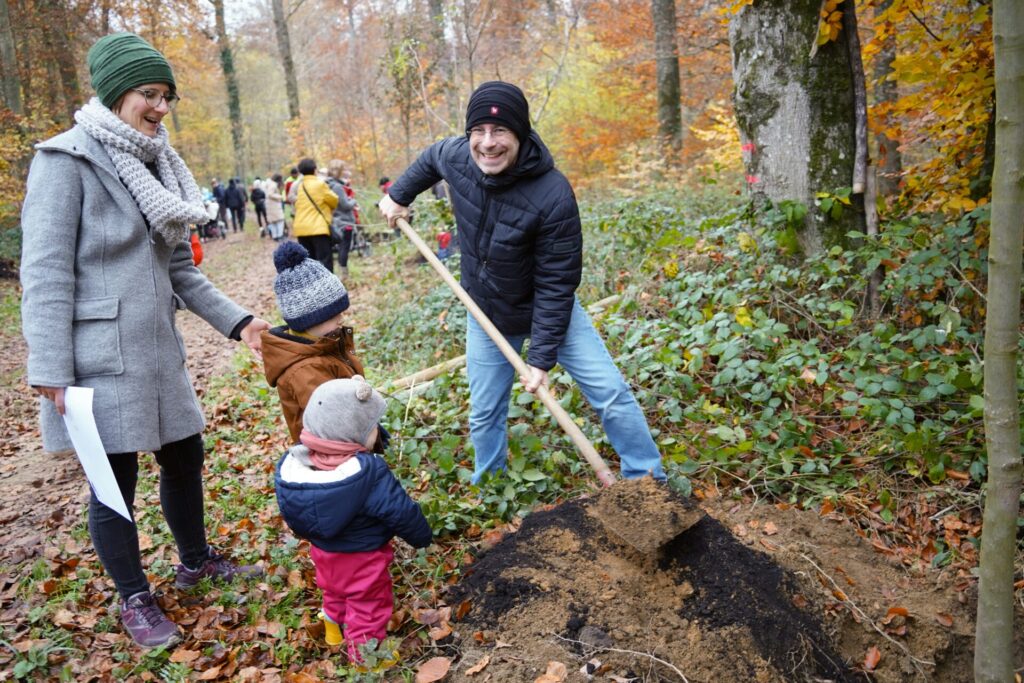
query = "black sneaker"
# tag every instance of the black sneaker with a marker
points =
(146, 623)
(215, 567)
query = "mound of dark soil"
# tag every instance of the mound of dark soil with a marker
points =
(748, 593)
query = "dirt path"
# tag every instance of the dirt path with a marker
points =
(42, 492)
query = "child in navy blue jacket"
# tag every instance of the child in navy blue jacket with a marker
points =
(334, 492)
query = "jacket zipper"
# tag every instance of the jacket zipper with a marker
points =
(485, 217)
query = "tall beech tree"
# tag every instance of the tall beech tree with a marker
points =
(993, 642)
(794, 107)
(284, 48)
(227, 65)
(8, 62)
(666, 57)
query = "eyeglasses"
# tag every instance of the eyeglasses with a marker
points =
(496, 132)
(153, 98)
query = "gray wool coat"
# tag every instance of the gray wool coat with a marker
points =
(100, 294)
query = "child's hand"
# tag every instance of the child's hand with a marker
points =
(250, 334)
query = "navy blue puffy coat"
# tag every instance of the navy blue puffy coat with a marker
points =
(355, 513)
(519, 232)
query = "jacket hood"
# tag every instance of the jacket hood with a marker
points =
(282, 350)
(322, 503)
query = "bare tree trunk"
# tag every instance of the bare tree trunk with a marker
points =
(9, 62)
(993, 640)
(890, 160)
(666, 57)
(443, 58)
(795, 114)
(284, 47)
(860, 98)
(55, 25)
(227, 65)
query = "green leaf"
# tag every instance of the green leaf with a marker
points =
(533, 475)
(977, 403)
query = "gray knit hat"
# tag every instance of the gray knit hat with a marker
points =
(344, 410)
(307, 293)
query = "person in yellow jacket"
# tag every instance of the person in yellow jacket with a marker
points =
(314, 204)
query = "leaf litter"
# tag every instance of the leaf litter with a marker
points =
(558, 598)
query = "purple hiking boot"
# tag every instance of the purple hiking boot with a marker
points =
(146, 622)
(215, 567)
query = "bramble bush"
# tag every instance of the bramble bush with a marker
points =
(750, 364)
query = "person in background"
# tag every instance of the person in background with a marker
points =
(522, 257)
(314, 204)
(218, 196)
(343, 221)
(235, 198)
(336, 493)
(106, 266)
(258, 196)
(275, 207)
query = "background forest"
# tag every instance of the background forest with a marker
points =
(373, 82)
(788, 211)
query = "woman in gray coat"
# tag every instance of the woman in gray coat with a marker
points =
(106, 265)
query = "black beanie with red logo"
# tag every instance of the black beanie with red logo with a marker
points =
(499, 103)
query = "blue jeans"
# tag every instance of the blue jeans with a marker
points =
(584, 356)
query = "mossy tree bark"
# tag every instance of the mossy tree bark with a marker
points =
(795, 114)
(993, 642)
(890, 160)
(284, 48)
(666, 59)
(9, 62)
(227, 65)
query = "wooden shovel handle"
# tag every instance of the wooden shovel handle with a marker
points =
(586, 449)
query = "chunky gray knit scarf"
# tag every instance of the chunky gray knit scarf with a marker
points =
(171, 204)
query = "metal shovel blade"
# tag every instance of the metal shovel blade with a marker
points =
(645, 513)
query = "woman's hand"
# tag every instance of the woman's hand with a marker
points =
(250, 334)
(535, 380)
(55, 394)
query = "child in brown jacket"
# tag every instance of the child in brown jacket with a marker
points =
(313, 346)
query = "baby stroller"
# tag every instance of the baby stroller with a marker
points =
(214, 227)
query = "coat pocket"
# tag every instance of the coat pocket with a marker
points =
(96, 339)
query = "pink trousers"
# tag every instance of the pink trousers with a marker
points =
(357, 592)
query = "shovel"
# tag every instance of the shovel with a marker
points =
(645, 518)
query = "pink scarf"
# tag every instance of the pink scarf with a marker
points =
(326, 454)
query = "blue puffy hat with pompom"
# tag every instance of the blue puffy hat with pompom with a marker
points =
(307, 293)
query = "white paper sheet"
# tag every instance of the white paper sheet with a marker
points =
(86, 439)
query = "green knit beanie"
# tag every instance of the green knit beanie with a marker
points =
(124, 60)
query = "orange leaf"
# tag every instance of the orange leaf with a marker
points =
(872, 658)
(944, 619)
(770, 529)
(184, 656)
(479, 666)
(433, 669)
(555, 673)
(895, 612)
(210, 674)
(440, 632)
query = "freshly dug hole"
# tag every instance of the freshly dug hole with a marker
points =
(562, 589)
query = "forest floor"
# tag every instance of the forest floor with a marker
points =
(754, 592)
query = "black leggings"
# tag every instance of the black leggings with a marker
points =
(261, 213)
(319, 248)
(181, 496)
(344, 246)
(237, 219)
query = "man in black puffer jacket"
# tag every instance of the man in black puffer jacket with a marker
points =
(522, 256)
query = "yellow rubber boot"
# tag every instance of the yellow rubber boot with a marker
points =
(332, 632)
